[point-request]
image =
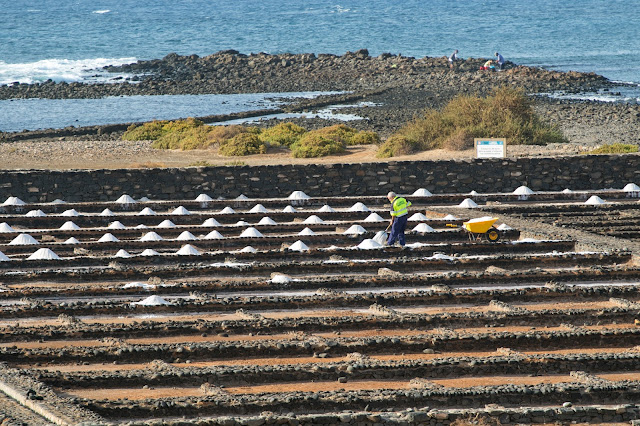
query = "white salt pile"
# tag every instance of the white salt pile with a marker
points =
(242, 223)
(440, 256)
(188, 250)
(142, 226)
(151, 236)
(355, 230)
(125, 199)
(326, 209)
(280, 279)
(423, 228)
(106, 212)
(146, 212)
(468, 203)
(474, 193)
(203, 198)
(417, 217)
(152, 301)
(359, 207)
(4, 258)
(108, 238)
(139, 285)
(13, 201)
(369, 244)
(36, 213)
(211, 222)
(70, 213)
(116, 225)
(72, 240)
(450, 217)
(144, 199)
(298, 195)
(504, 227)
(381, 237)
(267, 221)
(123, 254)
(149, 252)
(43, 254)
(186, 236)
(251, 232)
(258, 208)
(631, 187)
(422, 192)
(58, 201)
(298, 246)
(567, 191)
(166, 224)
(248, 249)
(213, 235)
(374, 217)
(313, 219)
(289, 209)
(306, 231)
(480, 219)
(227, 210)
(523, 190)
(69, 226)
(180, 211)
(23, 240)
(5, 227)
(242, 197)
(595, 200)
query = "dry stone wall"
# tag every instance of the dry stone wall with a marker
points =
(481, 175)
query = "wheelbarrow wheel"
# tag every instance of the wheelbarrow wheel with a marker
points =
(493, 235)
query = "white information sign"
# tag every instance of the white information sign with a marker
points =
(490, 148)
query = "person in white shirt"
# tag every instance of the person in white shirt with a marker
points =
(499, 60)
(452, 58)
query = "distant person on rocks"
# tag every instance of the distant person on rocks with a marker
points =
(453, 58)
(399, 216)
(488, 65)
(499, 60)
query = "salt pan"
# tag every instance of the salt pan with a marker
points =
(251, 232)
(43, 254)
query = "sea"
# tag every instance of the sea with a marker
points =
(71, 40)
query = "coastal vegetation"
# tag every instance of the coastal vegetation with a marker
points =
(614, 148)
(506, 113)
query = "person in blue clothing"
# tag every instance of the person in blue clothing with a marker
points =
(499, 60)
(399, 216)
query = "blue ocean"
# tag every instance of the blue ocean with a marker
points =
(67, 40)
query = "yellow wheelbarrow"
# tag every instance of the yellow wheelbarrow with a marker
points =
(479, 227)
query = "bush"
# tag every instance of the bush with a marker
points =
(219, 134)
(397, 145)
(285, 134)
(184, 139)
(364, 138)
(242, 144)
(316, 144)
(155, 130)
(614, 148)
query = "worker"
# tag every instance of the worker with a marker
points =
(399, 216)
(499, 60)
(453, 58)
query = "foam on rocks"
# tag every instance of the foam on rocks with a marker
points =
(211, 222)
(151, 236)
(359, 207)
(326, 209)
(70, 213)
(166, 224)
(423, 228)
(5, 227)
(36, 213)
(251, 232)
(306, 231)
(523, 190)
(146, 212)
(595, 200)
(313, 219)
(152, 301)
(227, 210)
(4, 258)
(258, 208)
(213, 235)
(108, 238)
(289, 209)
(106, 212)
(280, 279)
(203, 198)
(267, 221)
(13, 201)
(116, 225)
(72, 240)
(417, 217)
(298, 195)
(422, 192)
(248, 249)
(186, 236)
(44, 254)
(69, 226)
(468, 203)
(298, 246)
(181, 211)
(125, 199)
(355, 230)
(242, 197)
(122, 253)
(188, 250)
(374, 217)
(23, 240)
(369, 244)
(149, 252)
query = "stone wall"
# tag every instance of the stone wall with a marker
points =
(460, 176)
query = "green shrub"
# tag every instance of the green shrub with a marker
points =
(184, 139)
(339, 133)
(242, 144)
(316, 144)
(145, 132)
(219, 134)
(397, 145)
(285, 134)
(365, 138)
(200, 163)
(614, 148)
(166, 134)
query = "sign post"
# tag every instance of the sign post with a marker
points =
(490, 147)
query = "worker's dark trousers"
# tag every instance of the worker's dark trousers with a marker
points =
(397, 230)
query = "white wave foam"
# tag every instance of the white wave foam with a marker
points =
(101, 12)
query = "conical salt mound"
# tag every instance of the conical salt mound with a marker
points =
(417, 217)
(188, 250)
(213, 235)
(450, 217)
(567, 191)
(23, 240)
(146, 212)
(203, 198)
(5, 227)
(125, 199)
(116, 225)
(69, 226)
(181, 211)
(242, 223)
(298, 246)
(149, 252)
(72, 240)
(369, 244)
(298, 195)
(422, 192)
(211, 222)
(468, 203)
(36, 213)
(122, 254)
(248, 249)
(289, 209)
(267, 221)
(108, 238)
(242, 197)
(523, 190)
(280, 279)
(152, 301)
(58, 201)
(355, 230)
(595, 200)
(306, 231)
(186, 236)
(251, 233)
(504, 227)
(13, 201)
(227, 210)
(151, 236)
(70, 213)
(631, 187)
(142, 226)
(144, 199)
(258, 208)
(374, 217)
(106, 212)
(166, 224)
(313, 219)
(43, 254)
(326, 209)
(423, 228)
(4, 258)
(359, 207)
